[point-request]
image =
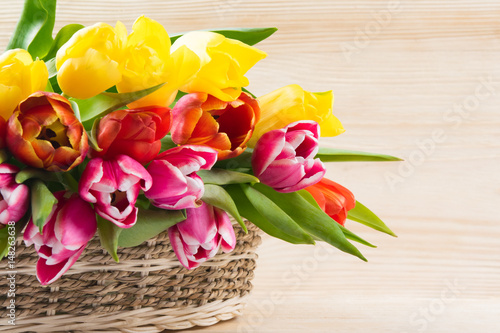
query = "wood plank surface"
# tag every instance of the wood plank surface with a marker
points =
(417, 79)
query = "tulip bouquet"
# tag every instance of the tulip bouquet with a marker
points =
(127, 135)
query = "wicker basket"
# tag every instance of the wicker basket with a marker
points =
(148, 291)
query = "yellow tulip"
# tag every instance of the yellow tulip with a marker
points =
(20, 76)
(92, 60)
(292, 103)
(224, 63)
(148, 63)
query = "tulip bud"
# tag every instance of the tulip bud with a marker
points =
(284, 158)
(113, 186)
(14, 197)
(292, 103)
(70, 226)
(201, 119)
(20, 76)
(44, 133)
(199, 237)
(223, 62)
(135, 133)
(175, 182)
(92, 60)
(149, 63)
(334, 199)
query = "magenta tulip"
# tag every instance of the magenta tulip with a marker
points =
(14, 197)
(284, 158)
(175, 182)
(113, 186)
(199, 237)
(70, 226)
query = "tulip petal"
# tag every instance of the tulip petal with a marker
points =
(92, 174)
(75, 223)
(47, 274)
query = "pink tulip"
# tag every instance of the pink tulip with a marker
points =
(70, 226)
(113, 186)
(14, 197)
(199, 236)
(284, 158)
(175, 182)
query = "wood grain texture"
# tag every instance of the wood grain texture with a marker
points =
(417, 79)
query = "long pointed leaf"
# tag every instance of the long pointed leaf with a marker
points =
(216, 196)
(34, 29)
(347, 233)
(149, 224)
(109, 234)
(292, 233)
(62, 37)
(250, 36)
(225, 177)
(104, 103)
(42, 202)
(342, 155)
(363, 215)
(310, 218)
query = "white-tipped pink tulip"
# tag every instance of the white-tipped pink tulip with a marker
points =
(199, 237)
(284, 158)
(14, 197)
(113, 186)
(71, 224)
(175, 182)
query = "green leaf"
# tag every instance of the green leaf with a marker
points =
(363, 215)
(51, 67)
(290, 233)
(248, 92)
(310, 218)
(29, 173)
(92, 135)
(61, 38)
(42, 202)
(216, 196)
(352, 236)
(34, 29)
(143, 202)
(224, 177)
(341, 155)
(244, 160)
(167, 143)
(149, 224)
(104, 103)
(347, 233)
(250, 36)
(8, 236)
(109, 234)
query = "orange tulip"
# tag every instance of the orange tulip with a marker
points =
(201, 119)
(44, 133)
(334, 199)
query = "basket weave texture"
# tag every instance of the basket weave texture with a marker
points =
(148, 291)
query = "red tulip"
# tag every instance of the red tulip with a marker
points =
(334, 199)
(135, 133)
(70, 226)
(201, 119)
(284, 158)
(44, 133)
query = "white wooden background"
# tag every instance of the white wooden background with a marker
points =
(417, 79)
